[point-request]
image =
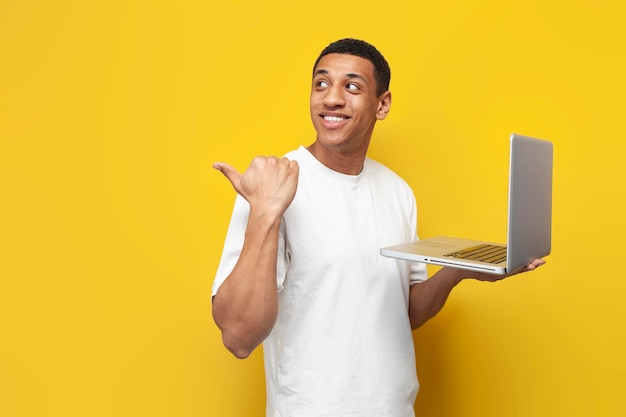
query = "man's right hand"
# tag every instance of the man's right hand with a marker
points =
(269, 184)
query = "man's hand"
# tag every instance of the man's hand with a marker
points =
(428, 297)
(490, 277)
(269, 184)
(246, 305)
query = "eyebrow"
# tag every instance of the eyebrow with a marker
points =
(350, 75)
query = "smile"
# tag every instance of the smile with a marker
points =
(334, 118)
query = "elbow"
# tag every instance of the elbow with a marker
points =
(240, 354)
(416, 324)
(238, 349)
(418, 318)
(242, 336)
(241, 341)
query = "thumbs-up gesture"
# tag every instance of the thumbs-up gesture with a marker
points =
(269, 184)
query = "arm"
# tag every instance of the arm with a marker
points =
(427, 298)
(246, 304)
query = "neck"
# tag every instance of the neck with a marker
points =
(344, 162)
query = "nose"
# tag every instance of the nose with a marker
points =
(334, 97)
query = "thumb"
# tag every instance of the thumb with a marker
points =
(230, 173)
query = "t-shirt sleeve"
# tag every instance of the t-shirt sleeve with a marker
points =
(233, 242)
(233, 245)
(419, 272)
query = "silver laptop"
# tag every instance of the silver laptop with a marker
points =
(530, 220)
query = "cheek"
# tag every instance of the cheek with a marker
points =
(314, 102)
(364, 108)
(314, 115)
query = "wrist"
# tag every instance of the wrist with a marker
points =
(264, 215)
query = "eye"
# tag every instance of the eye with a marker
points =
(352, 86)
(322, 84)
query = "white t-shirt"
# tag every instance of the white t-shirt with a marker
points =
(342, 344)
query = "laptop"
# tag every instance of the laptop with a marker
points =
(529, 221)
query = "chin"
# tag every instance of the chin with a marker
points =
(332, 143)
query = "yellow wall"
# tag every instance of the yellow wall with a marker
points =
(111, 113)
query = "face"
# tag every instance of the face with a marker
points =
(344, 104)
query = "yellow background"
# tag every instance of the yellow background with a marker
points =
(111, 113)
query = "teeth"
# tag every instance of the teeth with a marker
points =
(334, 118)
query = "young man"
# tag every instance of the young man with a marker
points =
(301, 271)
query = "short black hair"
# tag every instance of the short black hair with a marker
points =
(356, 47)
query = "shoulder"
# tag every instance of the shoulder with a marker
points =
(300, 154)
(379, 172)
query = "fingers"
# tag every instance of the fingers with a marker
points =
(535, 264)
(295, 168)
(230, 173)
(269, 182)
(224, 168)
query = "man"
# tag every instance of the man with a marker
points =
(301, 271)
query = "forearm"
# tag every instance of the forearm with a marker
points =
(427, 298)
(246, 304)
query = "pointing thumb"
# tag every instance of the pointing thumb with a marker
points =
(230, 173)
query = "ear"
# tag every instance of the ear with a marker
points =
(384, 105)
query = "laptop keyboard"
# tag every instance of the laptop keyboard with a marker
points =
(493, 254)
